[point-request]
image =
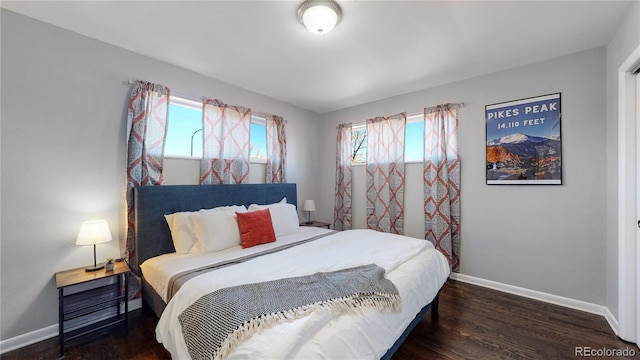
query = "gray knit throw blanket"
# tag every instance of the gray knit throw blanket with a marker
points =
(217, 322)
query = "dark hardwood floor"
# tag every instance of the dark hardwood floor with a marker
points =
(479, 323)
(473, 323)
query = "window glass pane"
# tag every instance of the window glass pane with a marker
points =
(414, 141)
(183, 123)
(258, 141)
(359, 145)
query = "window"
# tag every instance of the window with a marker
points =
(359, 144)
(184, 132)
(414, 139)
(413, 145)
(184, 129)
(258, 136)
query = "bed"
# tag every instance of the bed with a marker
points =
(416, 270)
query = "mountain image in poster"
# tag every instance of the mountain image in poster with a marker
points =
(520, 156)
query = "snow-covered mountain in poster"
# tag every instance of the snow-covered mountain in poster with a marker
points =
(529, 146)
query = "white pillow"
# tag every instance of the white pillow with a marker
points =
(182, 231)
(284, 217)
(216, 229)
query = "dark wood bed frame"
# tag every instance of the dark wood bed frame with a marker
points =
(153, 238)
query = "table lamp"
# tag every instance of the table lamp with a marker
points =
(309, 206)
(92, 233)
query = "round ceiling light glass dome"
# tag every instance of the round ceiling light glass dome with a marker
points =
(319, 16)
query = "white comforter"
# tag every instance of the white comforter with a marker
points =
(413, 265)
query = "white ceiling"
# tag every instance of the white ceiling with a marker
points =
(378, 50)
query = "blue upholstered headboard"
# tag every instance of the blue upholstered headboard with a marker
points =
(151, 203)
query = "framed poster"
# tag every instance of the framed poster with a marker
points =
(523, 141)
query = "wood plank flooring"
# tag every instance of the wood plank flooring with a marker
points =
(479, 323)
(473, 323)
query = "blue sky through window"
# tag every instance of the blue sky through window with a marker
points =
(258, 141)
(414, 141)
(184, 123)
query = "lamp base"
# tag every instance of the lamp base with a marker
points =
(94, 268)
(308, 222)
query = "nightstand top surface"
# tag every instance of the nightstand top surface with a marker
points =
(79, 275)
(316, 224)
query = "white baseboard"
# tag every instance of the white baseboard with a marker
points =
(28, 338)
(613, 322)
(45, 333)
(538, 295)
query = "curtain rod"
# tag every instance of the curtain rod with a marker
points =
(361, 123)
(262, 115)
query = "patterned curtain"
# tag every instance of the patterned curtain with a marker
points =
(385, 173)
(342, 211)
(441, 177)
(225, 158)
(146, 132)
(276, 150)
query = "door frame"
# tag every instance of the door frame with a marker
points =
(628, 172)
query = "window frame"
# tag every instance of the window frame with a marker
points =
(259, 120)
(358, 127)
(189, 104)
(413, 118)
(195, 105)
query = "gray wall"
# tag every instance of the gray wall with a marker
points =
(545, 238)
(626, 40)
(64, 99)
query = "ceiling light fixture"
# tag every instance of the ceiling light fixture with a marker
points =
(319, 16)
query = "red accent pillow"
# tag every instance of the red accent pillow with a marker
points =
(255, 228)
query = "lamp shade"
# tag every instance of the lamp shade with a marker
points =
(319, 16)
(309, 205)
(94, 232)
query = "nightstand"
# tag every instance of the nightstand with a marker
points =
(316, 224)
(86, 311)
